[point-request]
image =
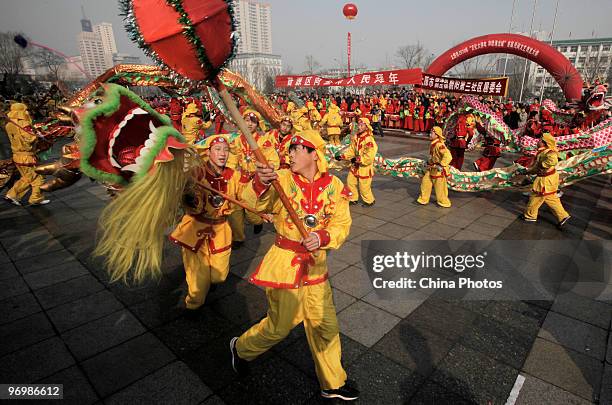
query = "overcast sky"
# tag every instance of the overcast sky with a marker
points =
(318, 28)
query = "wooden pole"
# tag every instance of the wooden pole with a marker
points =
(231, 199)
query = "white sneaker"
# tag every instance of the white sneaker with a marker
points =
(12, 201)
(43, 202)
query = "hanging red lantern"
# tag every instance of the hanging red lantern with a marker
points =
(194, 38)
(349, 10)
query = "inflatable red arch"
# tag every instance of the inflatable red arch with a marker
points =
(539, 52)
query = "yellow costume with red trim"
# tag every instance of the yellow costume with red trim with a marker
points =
(546, 185)
(333, 120)
(242, 158)
(437, 172)
(363, 148)
(192, 124)
(23, 146)
(313, 115)
(296, 282)
(204, 234)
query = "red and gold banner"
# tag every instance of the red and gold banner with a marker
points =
(489, 87)
(384, 78)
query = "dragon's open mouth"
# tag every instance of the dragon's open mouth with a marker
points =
(596, 101)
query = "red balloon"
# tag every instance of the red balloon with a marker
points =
(161, 30)
(349, 10)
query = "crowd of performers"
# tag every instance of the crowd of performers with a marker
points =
(230, 188)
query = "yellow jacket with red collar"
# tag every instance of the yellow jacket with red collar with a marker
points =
(325, 201)
(547, 182)
(241, 157)
(439, 159)
(207, 221)
(363, 148)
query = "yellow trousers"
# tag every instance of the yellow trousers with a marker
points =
(365, 188)
(236, 222)
(29, 178)
(202, 269)
(312, 305)
(553, 202)
(334, 139)
(439, 186)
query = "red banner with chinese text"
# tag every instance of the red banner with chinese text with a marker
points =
(489, 87)
(384, 78)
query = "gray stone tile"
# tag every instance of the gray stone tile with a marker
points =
(45, 261)
(24, 332)
(605, 396)
(412, 222)
(354, 281)
(443, 230)
(469, 235)
(517, 314)
(172, 384)
(245, 307)
(609, 351)
(213, 400)
(431, 393)
(353, 321)
(67, 291)
(43, 359)
(535, 391)
(446, 320)
(355, 232)
(579, 336)
(422, 234)
(124, 364)
(584, 309)
(565, 368)
(485, 229)
(101, 334)
(382, 381)
(246, 268)
(341, 300)
(8, 270)
(17, 307)
(4, 258)
(495, 220)
(399, 306)
(36, 249)
(475, 376)
(458, 221)
(79, 312)
(419, 350)
(334, 264)
(77, 389)
(12, 287)
(54, 275)
(369, 222)
(349, 253)
(394, 231)
(159, 310)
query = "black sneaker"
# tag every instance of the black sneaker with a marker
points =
(563, 222)
(345, 393)
(524, 218)
(240, 366)
(257, 229)
(353, 202)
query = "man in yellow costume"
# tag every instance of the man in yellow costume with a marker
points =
(283, 136)
(300, 118)
(23, 145)
(546, 184)
(313, 115)
(437, 171)
(294, 271)
(333, 121)
(192, 124)
(361, 153)
(204, 233)
(242, 158)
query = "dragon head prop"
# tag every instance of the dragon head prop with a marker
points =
(122, 137)
(596, 97)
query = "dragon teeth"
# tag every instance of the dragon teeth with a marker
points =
(139, 111)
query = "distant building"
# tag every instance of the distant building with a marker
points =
(254, 26)
(107, 36)
(124, 58)
(257, 68)
(70, 70)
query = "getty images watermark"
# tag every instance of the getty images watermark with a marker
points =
(500, 269)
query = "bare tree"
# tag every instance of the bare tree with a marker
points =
(10, 54)
(312, 66)
(412, 55)
(51, 62)
(594, 68)
(288, 70)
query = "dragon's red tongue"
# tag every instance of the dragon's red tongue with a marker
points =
(128, 155)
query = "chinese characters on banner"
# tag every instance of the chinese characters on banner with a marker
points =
(385, 78)
(488, 87)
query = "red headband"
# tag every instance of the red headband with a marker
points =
(298, 140)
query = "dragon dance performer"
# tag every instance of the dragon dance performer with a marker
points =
(463, 135)
(294, 275)
(437, 171)
(23, 145)
(361, 153)
(490, 154)
(285, 133)
(242, 158)
(546, 184)
(192, 124)
(204, 233)
(333, 121)
(176, 111)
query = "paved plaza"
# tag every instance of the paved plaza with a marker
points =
(61, 321)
